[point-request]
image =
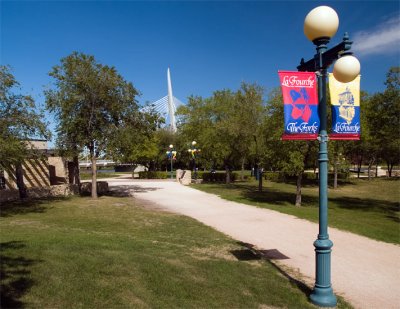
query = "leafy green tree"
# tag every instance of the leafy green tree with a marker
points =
(197, 122)
(95, 108)
(135, 140)
(224, 125)
(290, 157)
(383, 116)
(20, 120)
(249, 115)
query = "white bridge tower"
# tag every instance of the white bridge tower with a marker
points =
(167, 105)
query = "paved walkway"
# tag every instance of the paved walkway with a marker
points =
(364, 271)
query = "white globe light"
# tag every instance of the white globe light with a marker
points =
(321, 22)
(346, 69)
(194, 143)
(171, 146)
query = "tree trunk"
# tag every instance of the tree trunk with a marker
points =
(335, 176)
(77, 178)
(94, 172)
(359, 164)
(260, 182)
(390, 167)
(228, 174)
(370, 163)
(242, 172)
(19, 174)
(298, 189)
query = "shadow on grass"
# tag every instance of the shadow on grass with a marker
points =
(26, 206)
(14, 275)
(361, 204)
(274, 196)
(253, 253)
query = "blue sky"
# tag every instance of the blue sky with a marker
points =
(209, 45)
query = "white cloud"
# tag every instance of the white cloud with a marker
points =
(383, 39)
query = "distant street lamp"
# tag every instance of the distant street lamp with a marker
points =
(171, 153)
(194, 151)
(319, 26)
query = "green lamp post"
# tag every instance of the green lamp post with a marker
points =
(171, 153)
(319, 26)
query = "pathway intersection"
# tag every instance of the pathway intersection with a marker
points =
(364, 271)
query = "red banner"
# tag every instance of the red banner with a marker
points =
(300, 101)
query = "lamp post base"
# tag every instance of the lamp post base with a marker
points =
(322, 294)
(323, 297)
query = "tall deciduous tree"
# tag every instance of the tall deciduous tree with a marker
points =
(95, 107)
(290, 157)
(135, 139)
(224, 125)
(20, 120)
(383, 116)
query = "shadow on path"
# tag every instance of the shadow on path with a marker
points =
(128, 190)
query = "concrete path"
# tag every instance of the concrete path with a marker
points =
(364, 271)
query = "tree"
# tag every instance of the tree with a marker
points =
(197, 122)
(225, 124)
(20, 120)
(94, 107)
(249, 114)
(290, 157)
(135, 141)
(383, 116)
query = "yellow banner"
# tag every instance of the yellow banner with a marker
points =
(345, 100)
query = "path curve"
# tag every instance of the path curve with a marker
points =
(364, 271)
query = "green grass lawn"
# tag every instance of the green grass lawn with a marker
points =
(115, 253)
(368, 208)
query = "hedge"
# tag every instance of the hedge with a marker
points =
(152, 175)
(218, 177)
(307, 176)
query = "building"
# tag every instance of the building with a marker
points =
(39, 172)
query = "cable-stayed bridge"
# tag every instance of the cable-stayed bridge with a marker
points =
(167, 105)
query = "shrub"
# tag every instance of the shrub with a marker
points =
(274, 176)
(218, 177)
(308, 177)
(341, 176)
(152, 175)
(199, 174)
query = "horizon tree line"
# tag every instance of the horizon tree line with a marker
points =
(96, 108)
